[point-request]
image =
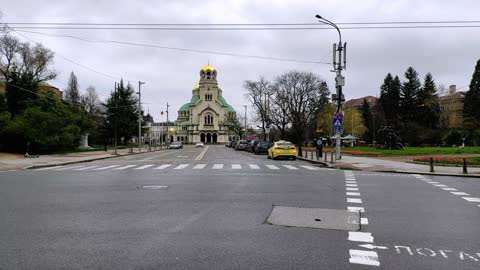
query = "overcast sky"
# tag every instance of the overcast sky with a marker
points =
(449, 54)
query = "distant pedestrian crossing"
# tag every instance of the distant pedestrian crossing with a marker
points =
(180, 167)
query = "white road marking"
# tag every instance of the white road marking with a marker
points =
(309, 167)
(440, 185)
(68, 168)
(290, 167)
(471, 199)
(352, 189)
(236, 166)
(354, 200)
(364, 257)
(105, 168)
(360, 237)
(356, 209)
(351, 182)
(352, 185)
(364, 221)
(353, 193)
(217, 166)
(49, 168)
(254, 166)
(370, 246)
(450, 189)
(124, 167)
(272, 167)
(85, 168)
(181, 167)
(350, 178)
(431, 182)
(199, 166)
(144, 167)
(199, 157)
(164, 166)
(164, 154)
(460, 193)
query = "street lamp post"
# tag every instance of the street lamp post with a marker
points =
(245, 133)
(339, 79)
(139, 117)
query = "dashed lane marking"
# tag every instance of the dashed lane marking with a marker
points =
(124, 167)
(144, 167)
(199, 166)
(254, 167)
(164, 166)
(106, 168)
(85, 168)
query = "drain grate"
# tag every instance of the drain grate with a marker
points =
(314, 218)
(152, 187)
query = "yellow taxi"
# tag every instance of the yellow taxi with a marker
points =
(282, 149)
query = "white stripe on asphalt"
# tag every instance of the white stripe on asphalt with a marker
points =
(471, 199)
(353, 193)
(309, 167)
(290, 167)
(440, 185)
(217, 166)
(350, 182)
(236, 166)
(364, 221)
(432, 182)
(352, 189)
(254, 167)
(68, 168)
(460, 193)
(354, 200)
(364, 257)
(124, 167)
(85, 168)
(144, 167)
(199, 166)
(450, 189)
(181, 166)
(356, 209)
(360, 237)
(49, 168)
(352, 185)
(105, 168)
(161, 167)
(164, 154)
(272, 167)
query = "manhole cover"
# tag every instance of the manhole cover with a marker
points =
(152, 187)
(314, 218)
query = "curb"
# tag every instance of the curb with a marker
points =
(340, 167)
(87, 160)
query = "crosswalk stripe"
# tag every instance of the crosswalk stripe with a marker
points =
(272, 167)
(144, 167)
(217, 166)
(181, 166)
(199, 166)
(49, 168)
(85, 168)
(236, 166)
(254, 166)
(105, 168)
(310, 167)
(68, 168)
(124, 167)
(161, 167)
(290, 167)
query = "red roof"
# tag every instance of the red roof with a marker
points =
(358, 102)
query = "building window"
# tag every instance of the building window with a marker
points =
(208, 119)
(208, 97)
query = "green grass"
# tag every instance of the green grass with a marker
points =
(445, 160)
(412, 151)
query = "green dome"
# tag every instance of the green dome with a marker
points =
(185, 107)
(230, 109)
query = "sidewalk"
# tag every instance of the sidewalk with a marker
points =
(18, 162)
(382, 164)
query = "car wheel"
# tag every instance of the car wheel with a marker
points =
(294, 158)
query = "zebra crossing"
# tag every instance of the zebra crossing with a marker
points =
(184, 166)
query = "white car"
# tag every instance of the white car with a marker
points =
(199, 145)
(176, 145)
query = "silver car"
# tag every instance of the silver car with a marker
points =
(176, 145)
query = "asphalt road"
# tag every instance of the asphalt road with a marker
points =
(207, 209)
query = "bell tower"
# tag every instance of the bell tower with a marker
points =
(208, 83)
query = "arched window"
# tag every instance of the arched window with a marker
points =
(208, 119)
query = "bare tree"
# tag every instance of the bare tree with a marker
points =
(258, 92)
(90, 101)
(278, 113)
(9, 49)
(304, 94)
(71, 93)
(238, 125)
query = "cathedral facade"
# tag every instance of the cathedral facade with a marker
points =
(207, 117)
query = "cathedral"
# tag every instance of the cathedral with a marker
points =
(207, 117)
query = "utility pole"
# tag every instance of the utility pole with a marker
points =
(139, 116)
(245, 133)
(115, 120)
(339, 79)
(168, 129)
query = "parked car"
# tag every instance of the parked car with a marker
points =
(241, 145)
(261, 148)
(175, 145)
(282, 149)
(228, 144)
(251, 145)
(199, 145)
(233, 144)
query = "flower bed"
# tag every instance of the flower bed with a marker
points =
(447, 160)
(345, 151)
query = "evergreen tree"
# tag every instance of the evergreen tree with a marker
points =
(471, 108)
(428, 102)
(409, 96)
(390, 98)
(21, 90)
(72, 93)
(367, 119)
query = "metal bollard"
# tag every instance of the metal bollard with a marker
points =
(331, 157)
(325, 154)
(311, 155)
(431, 164)
(465, 166)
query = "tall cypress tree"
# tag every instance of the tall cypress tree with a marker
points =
(471, 107)
(72, 93)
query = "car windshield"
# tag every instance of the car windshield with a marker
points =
(176, 143)
(284, 144)
(263, 143)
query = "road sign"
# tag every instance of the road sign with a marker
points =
(338, 123)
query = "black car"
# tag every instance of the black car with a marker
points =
(251, 146)
(261, 147)
(233, 144)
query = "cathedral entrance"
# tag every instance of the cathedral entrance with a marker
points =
(202, 137)
(214, 139)
(209, 138)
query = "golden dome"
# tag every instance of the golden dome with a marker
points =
(197, 85)
(208, 67)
